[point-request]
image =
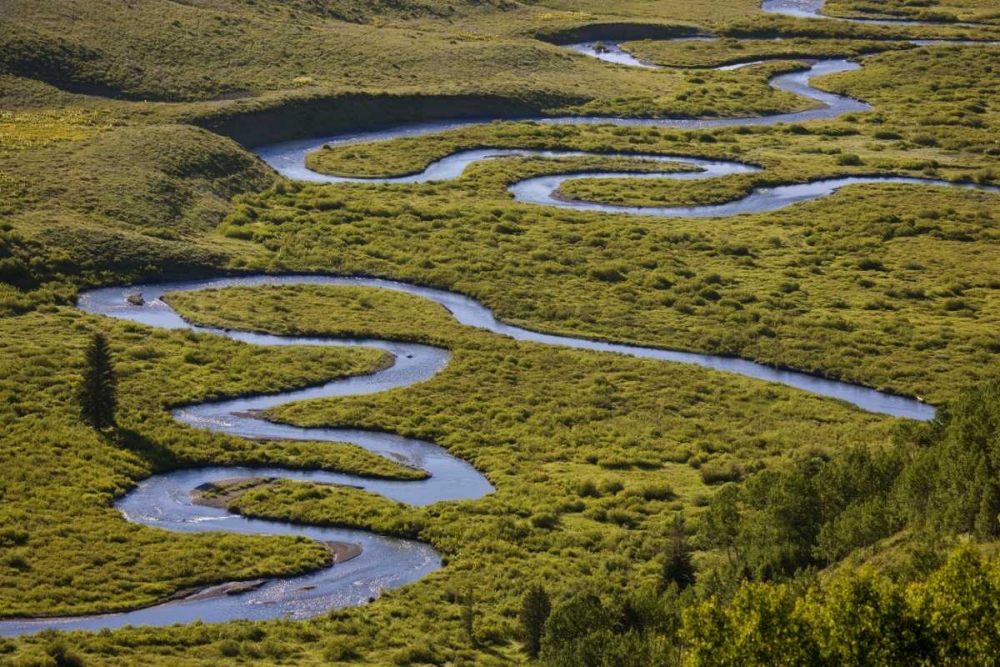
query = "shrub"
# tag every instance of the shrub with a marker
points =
(657, 492)
(545, 521)
(870, 264)
(608, 274)
(610, 487)
(421, 653)
(954, 305)
(719, 473)
(229, 648)
(338, 650)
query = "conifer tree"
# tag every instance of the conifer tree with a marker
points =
(677, 568)
(96, 393)
(469, 618)
(535, 610)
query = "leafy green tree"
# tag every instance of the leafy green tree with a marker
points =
(639, 629)
(97, 391)
(762, 627)
(535, 610)
(987, 525)
(722, 523)
(781, 524)
(854, 490)
(960, 604)
(864, 620)
(953, 485)
(577, 633)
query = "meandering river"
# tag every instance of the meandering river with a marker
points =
(163, 501)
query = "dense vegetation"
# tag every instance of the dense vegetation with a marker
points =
(645, 513)
(938, 481)
(977, 11)
(935, 484)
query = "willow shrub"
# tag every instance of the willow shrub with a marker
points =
(951, 619)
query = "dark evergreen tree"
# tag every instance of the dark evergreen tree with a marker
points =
(987, 527)
(535, 610)
(678, 567)
(469, 618)
(98, 385)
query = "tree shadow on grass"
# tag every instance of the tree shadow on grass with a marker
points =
(156, 454)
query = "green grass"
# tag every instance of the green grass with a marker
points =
(660, 10)
(886, 298)
(813, 286)
(728, 51)
(73, 215)
(980, 11)
(763, 25)
(258, 72)
(65, 550)
(160, 50)
(593, 456)
(544, 425)
(621, 192)
(540, 422)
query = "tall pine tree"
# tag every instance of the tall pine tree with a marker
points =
(535, 610)
(97, 390)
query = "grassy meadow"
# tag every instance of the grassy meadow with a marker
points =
(806, 287)
(945, 11)
(124, 135)
(65, 551)
(592, 455)
(730, 50)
